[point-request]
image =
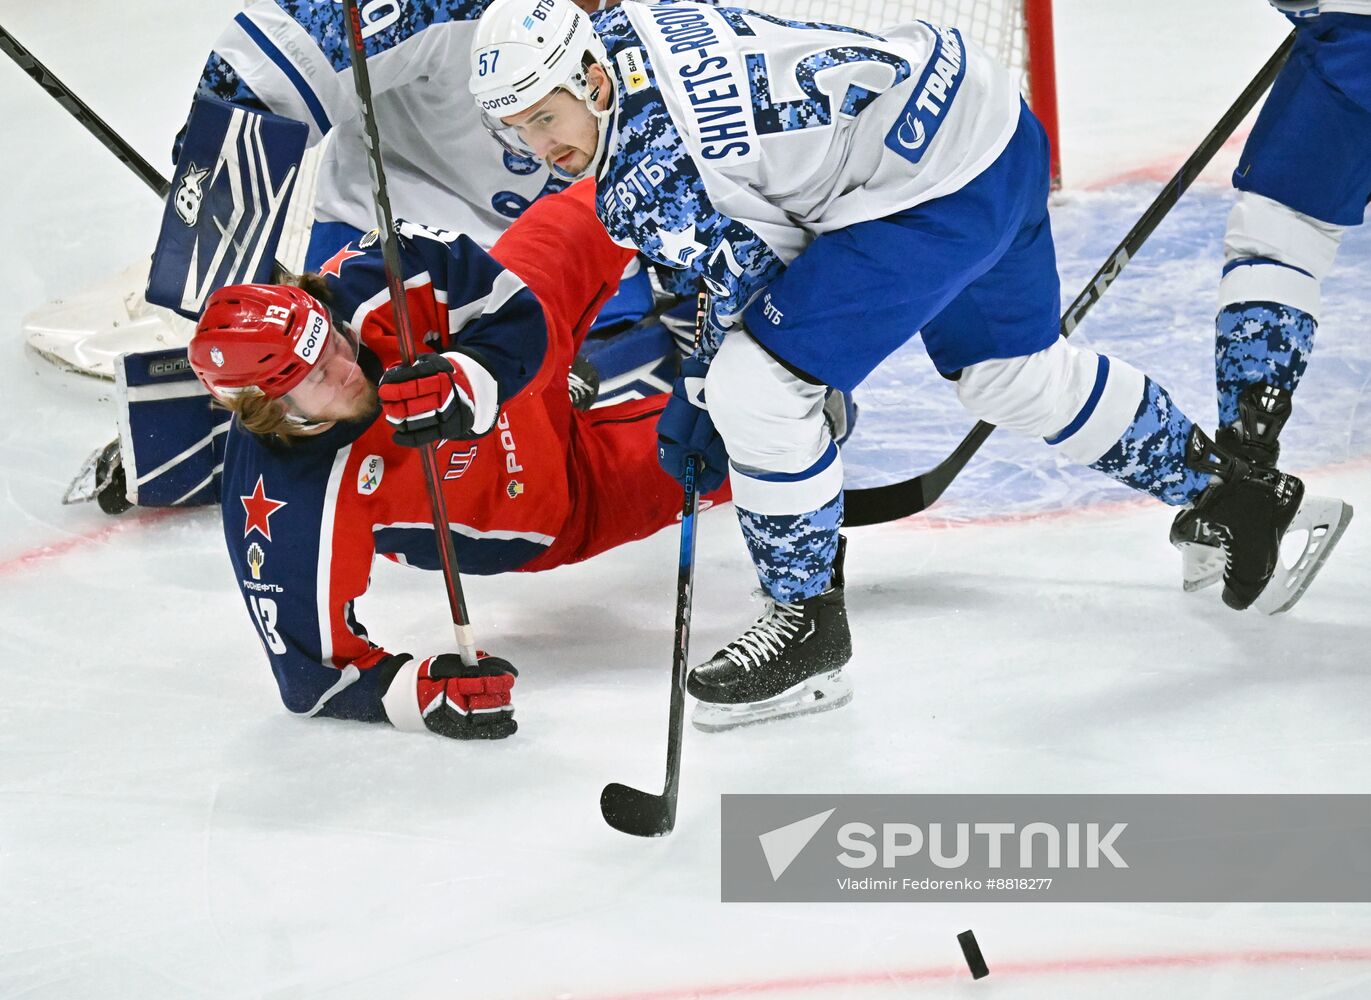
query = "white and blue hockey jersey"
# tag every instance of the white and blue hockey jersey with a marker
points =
(291, 57)
(738, 137)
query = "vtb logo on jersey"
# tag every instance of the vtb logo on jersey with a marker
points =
(190, 194)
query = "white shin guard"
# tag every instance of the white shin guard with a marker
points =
(1291, 253)
(773, 423)
(1080, 401)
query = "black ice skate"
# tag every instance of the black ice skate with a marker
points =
(788, 663)
(101, 479)
(583, 383)
(1247, 508)
(1310, 526)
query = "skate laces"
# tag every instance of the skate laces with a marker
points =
(767, 636)
(578, 388)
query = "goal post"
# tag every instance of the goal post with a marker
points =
(1041, 76)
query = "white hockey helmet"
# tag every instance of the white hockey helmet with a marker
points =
(523, 51)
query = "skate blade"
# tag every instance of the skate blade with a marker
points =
(821, 693)
(1201, 565)
(1323, 520)
(88, 482)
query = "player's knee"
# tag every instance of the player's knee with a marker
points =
(1076, 399)
(1276, 254)
(769, 419)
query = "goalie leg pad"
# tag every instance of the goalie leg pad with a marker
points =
(227, 207)
(635, 364)
(171, 439)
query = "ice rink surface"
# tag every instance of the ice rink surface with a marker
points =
(168, 830)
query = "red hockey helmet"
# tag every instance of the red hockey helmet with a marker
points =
(258, 337)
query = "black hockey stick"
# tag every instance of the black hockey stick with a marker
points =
(631, 810)
(878, 504)
(395, 282)
(78, 109)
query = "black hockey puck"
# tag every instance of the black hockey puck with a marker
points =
(971, 951)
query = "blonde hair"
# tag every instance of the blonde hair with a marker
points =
(255, 412)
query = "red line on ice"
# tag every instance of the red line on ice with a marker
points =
(1162, 169)
(1115, 963)
(60, 548)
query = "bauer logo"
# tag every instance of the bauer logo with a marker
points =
(369, 476)
(1046, 848)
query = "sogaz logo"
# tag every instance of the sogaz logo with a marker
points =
(311, 342)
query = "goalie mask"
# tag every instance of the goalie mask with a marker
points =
(526, 50)
(274, 340)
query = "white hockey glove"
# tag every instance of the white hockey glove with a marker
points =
(1296, 8)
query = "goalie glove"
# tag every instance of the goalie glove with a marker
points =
(441, 397)
(445, 696)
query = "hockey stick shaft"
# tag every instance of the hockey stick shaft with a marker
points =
(79, 110)
(897, 500)
(631, 810)
(390, 253)
(680, 653)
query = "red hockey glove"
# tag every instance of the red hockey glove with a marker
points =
(445, 696)
(441, 397)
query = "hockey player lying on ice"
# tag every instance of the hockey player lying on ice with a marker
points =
(314, 486)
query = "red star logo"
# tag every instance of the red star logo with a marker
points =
(259, 507)
(334, 265)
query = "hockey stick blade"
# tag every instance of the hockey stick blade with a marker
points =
(876, 505)
(635, 812)
(879, 504)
